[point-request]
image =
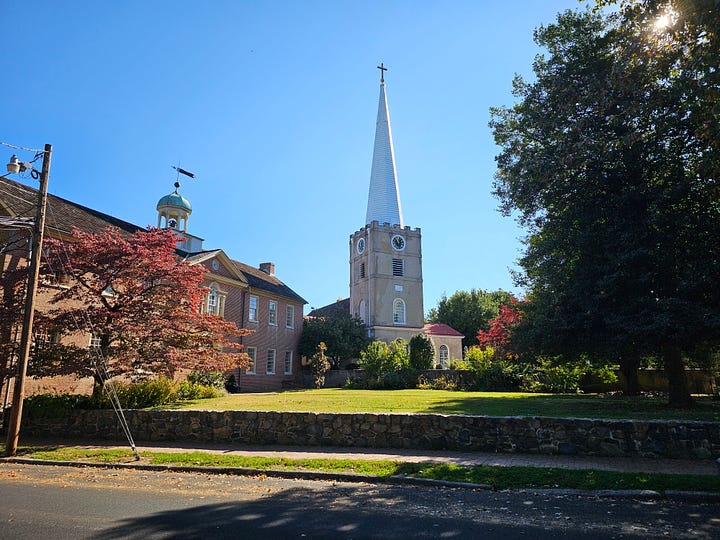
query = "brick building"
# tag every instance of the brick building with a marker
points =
(252, 297)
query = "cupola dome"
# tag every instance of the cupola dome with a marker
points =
(174, 211)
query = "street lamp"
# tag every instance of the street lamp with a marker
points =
(15, 166)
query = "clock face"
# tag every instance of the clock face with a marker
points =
(398, 242)
(360, 246)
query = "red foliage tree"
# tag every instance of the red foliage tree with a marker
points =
(497, 335)
(140, 300)
(12, 295)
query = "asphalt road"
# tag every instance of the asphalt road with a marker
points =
(53, 502)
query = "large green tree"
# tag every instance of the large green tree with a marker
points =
(609, 160)
(344, 337)
(469, 312)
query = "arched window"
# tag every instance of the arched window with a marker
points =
(444, 356)
(398, 311)
(214, 301)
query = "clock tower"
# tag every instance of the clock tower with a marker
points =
(386, 289)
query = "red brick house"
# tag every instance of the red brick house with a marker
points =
(253, 298)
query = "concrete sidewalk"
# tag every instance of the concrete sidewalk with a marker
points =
(620, 464)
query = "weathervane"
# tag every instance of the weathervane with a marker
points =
(179, 172)
(382, 69)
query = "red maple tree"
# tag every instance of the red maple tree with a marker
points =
(139, 300)
(12, 296)
(497, 335)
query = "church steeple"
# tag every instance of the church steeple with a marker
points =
(384, 196)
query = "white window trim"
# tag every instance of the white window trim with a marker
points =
(251, 368)
(268, 364)
(95, 341)
(444, 362)
(272, 320)
(252, 316)
(289, 316)
(288, 365)
(219, 306)
(396, 320)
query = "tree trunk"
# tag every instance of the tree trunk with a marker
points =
(629, 365)
(677, 383)
(97, 389)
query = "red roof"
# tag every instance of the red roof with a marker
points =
(440, 329)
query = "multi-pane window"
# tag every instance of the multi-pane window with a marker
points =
(253, 309)
(290, 317)
(214, 302)
(398, 311)
(251, 352)
(288, 362)
(94, 341)
(398, 267)
(41, 339)
(270, 369)
(444, 356)
(272, 313)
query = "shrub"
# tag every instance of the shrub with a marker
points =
(459, 365)
(554, 377)
(319, 365)
(213, 378)
(492, 373)
(231, 384)
(387, 365)
(54, 405)
(187, 390)
(422, 352)
(479, 359)
(444, 382)
(375, 360)
(139, 395)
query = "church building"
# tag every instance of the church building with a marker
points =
(386, 282)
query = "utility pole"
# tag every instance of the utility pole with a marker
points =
(27, 333)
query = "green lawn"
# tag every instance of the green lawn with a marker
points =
(445, 402)
(497, 477)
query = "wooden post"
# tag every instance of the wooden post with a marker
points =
(27, 333)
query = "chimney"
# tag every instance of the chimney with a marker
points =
(268, 268)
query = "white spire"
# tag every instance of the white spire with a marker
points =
(384, 197)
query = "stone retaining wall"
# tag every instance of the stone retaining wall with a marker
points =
(421, 431)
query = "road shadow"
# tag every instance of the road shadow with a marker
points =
(337, 513)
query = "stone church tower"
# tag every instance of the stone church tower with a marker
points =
(386, 289)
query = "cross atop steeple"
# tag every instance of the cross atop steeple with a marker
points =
(382, 69)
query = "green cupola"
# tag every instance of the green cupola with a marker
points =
(174, 211)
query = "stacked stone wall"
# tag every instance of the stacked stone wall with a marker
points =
(657, 438)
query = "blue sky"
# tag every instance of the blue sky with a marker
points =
(272, 105)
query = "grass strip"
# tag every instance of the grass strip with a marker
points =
(497, 477)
